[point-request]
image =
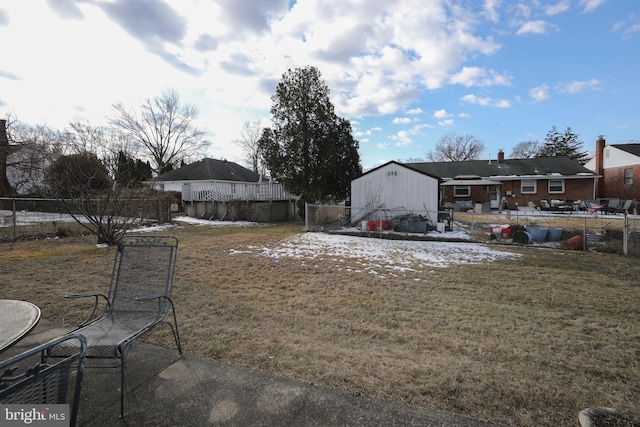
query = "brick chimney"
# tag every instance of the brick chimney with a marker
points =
(500, 156)
(599, 169)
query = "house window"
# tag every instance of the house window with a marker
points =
(628, 177)
(556, 186)
(461, 191)
(528, 186)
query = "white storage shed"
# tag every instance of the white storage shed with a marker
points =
(393, 190)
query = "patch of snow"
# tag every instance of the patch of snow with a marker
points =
(380, 256)
(198, 221)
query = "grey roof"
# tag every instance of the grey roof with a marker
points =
(508, 167)
(405, 165)
(629, 148)
(211, 170)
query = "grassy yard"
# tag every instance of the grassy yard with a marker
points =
(524, 341)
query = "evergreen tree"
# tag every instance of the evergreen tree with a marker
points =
(567, 144)
(309, 149)
(132, 172)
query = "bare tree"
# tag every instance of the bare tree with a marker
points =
(5, 186)
(165, 130)
(526, 150)
(248, 141)
(456, 148)
(25, 151)
(82, 185)
(107, 143)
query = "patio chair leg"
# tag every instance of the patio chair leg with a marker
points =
(122, 380)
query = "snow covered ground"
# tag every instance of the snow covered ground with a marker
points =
(375, 256)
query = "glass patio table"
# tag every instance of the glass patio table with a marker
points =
(17, 319)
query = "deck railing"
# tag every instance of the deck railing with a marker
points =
(225, 192)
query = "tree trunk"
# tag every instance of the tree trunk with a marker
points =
(5, 187)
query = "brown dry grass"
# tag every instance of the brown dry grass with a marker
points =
(525, 342)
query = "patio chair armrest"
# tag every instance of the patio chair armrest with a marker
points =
(96, 297)
(158, 297)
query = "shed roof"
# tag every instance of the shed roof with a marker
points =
(211, 169)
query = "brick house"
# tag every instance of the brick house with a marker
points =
(521, 182)
(619, 168)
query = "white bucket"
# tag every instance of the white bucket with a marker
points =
(440, 227)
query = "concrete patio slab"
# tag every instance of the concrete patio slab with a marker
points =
(166, 389)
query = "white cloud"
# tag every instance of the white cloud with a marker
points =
(490, 11)
(477, 76)
(445, 123)
(401, 121)
(402, 138)
(539, 93)
(591, 5)
(633, 29)
(578, 86)
(532, 27)
(367, 132)
(441, 114)
(486, 101)
(628, 28)
(555, 9)
(415, 111)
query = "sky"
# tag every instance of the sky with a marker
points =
(404, 72)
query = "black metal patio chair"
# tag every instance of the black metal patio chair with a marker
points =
(27, 379)
(139, 299)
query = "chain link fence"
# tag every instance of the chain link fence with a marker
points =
(30, 218)
(611, 233)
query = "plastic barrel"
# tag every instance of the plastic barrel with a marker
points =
(521, 236)
(538, 234)
(554, 234)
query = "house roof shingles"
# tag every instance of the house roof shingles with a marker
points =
(506, 168)
(211, 169)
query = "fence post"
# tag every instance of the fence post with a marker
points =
(584, 235)
(625, 235)
(15, 219)
(306, 216)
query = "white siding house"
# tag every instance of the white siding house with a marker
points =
(392, 190)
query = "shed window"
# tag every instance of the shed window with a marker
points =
(556, 186)
(461, 191)
(628, 177)
(528, 186)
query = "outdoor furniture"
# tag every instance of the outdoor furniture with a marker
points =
(139, 298)
(27, 379)
(592, 206)
(464, 205)
(17, 319)
(613, 206)
(544, 205)
(627, 205)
